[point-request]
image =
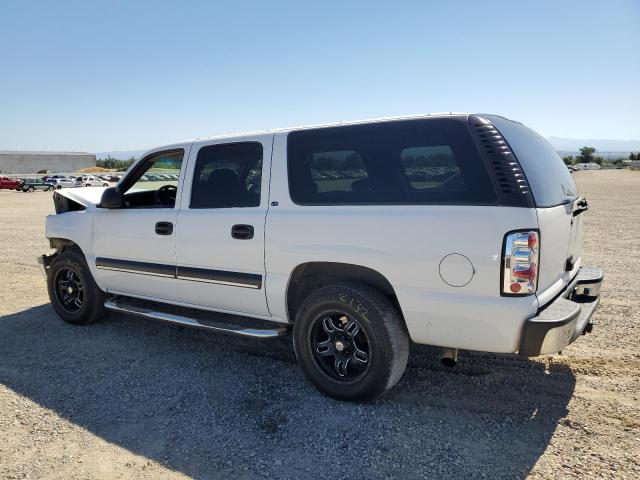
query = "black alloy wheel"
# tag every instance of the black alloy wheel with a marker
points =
(340, 346)
(73, 292)
(69, 290)
(350, 341)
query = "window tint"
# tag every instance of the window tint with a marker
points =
(550, 180)
(429, 167)
(228, 175)
(337, 171)
(431, 161)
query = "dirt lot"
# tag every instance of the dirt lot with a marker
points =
(128, 398)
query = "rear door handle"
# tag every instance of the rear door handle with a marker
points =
(164, 228)
(242, 232)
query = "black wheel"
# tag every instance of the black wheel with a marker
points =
(73, 293)
(31, 189)
(350, 341)
(59, 187)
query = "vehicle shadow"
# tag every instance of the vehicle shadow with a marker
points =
(210, 406)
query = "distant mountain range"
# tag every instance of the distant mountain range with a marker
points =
(565, 146)
(601, 145)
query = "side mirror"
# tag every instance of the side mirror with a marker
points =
(112, 197)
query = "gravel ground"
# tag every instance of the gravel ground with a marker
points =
(127, 398)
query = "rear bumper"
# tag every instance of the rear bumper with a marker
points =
(564, 319)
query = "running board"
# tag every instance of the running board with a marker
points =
(155, 311)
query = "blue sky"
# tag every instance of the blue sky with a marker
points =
(116, 75)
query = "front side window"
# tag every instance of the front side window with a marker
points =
(154, 183)
(228, 175)
(431, 161)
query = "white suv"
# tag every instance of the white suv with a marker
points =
(460, 231)
(90, 181)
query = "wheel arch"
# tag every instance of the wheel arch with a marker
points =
(61, 244)
(310, 276)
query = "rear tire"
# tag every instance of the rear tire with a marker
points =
(350, 341)
(73, 293)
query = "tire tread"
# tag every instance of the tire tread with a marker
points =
(390, 321)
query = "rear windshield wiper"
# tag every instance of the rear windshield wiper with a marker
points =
(580, 206)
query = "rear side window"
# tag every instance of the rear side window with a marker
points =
(428, 167)
(227, 175)
(337, 171)
(430, 161)
(550, 180)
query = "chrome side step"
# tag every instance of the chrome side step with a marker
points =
(153, 311)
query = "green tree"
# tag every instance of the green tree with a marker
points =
(586, 155)
(633, 156)
(115, 163)
(568, 159)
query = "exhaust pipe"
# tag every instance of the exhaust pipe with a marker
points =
(449, 357)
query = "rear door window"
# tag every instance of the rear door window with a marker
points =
(227, 175)
(427, 161)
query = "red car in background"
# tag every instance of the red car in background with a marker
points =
(10, 183)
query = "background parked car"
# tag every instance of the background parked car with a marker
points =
(33, 184)
(90, 181)
(53, 178)
(66, 183)
(8, 183)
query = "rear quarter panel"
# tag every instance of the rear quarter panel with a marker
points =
(405, 244)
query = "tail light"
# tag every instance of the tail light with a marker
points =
(520, 262)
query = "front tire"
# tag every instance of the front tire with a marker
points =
(350, 341)
(73, 292)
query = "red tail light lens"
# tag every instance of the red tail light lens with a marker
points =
(520, 263)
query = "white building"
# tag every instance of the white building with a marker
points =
(33, 162)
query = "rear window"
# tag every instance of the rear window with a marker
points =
(550, 180)
(227, 175)
(430, 161)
